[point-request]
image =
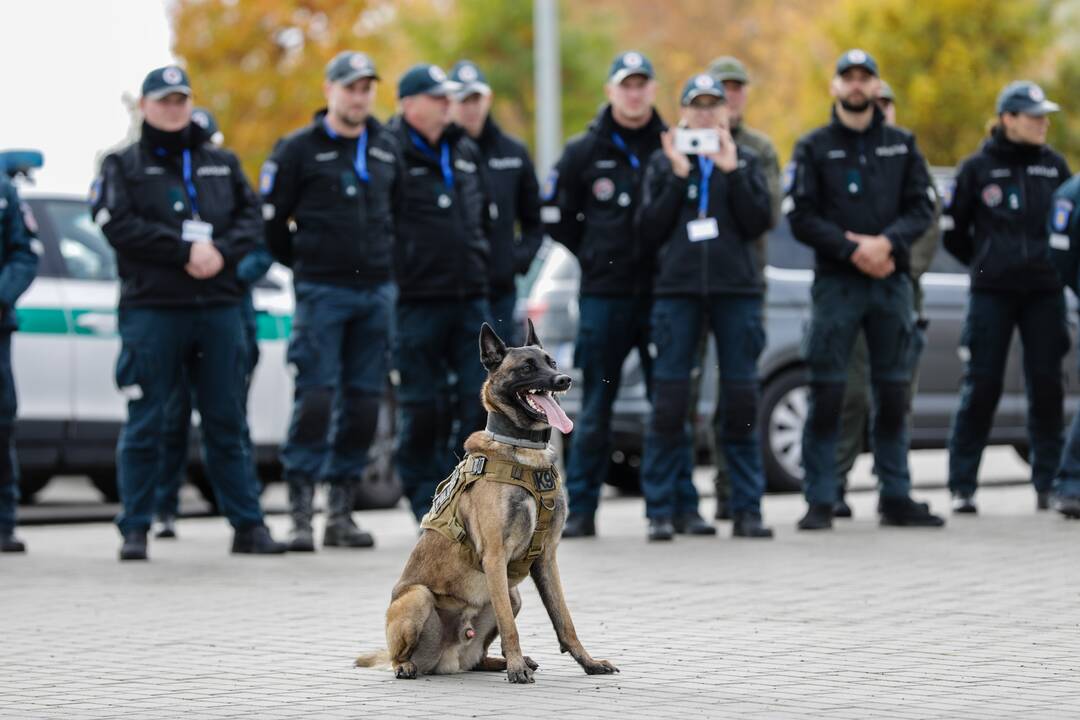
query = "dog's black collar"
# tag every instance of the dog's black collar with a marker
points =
(504, 431)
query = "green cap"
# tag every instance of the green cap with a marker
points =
(728, 68)
(886, 92)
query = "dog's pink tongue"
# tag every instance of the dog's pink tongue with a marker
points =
(555, 415)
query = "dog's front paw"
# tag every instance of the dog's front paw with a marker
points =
(520, 672)
(405, 671)
(599, 667)
(531, 663)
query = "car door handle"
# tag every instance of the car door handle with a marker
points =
(96, 323)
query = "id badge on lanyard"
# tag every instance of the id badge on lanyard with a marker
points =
(704, 227)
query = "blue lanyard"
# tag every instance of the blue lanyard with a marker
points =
(443, 157)
(706, 165)
(360, 161)
(192, 195)
(621, 144)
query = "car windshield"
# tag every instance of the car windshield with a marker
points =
(87, 255)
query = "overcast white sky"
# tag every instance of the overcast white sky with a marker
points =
(66, 64)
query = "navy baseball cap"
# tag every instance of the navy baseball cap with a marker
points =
(1024, 96)
(165, 81)
(425, 79)
(856, 58)
(627, 64)
(468, 76)
(701, 84)
(349, 66)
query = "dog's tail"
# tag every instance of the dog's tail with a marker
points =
(378, 659)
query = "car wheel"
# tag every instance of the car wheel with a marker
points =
(784, 407)
(379, 487)
(30, 484)
(105, 482)
(624, 473)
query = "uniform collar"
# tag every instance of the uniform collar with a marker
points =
(1000, 146)
(877, 121)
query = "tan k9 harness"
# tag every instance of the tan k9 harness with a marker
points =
(542, 484)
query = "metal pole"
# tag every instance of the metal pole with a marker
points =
(548, 84)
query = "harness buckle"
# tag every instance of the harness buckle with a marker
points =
(478, 465)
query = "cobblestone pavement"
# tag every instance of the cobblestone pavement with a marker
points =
(980, 619)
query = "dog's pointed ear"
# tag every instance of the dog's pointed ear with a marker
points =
(531, 338)
(492, 348)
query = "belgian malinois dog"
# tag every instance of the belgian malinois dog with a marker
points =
(454, 598)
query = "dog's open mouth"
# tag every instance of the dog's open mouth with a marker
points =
(542, 405)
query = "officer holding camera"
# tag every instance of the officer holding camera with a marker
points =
(704, 203)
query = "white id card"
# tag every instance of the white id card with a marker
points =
(702, 229)
(1059, 241)
(197, 231)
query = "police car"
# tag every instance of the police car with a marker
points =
(70, 411)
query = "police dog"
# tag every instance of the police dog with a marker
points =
(445, 611)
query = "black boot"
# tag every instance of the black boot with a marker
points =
(1068, 505)
(723, 510)
(341, 531)
(749, 525)
(579, 525)
(256, 540)
(841, 509)
(818, 517)
(661, 529)
(1042, 500)
(165, 529)
(134, 547)
(963, 504)
(905, 512)
(10, 543)
(691, 523)
(301, 510)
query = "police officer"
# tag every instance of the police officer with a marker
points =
(1064, 225)
(704, 212)
(997, 225)
(860, 198)
(590, 199)
(180, 215)
(442, 266)
(331, 196)
(736, 81)
(516, 232)
(18, 265)
(248, 271)
(855, 416)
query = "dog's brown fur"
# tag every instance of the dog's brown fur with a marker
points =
(441, 595)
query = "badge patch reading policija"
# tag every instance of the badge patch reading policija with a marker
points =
(992, 195)
(603, 189)
(1062, 212)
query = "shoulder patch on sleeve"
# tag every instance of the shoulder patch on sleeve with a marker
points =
(551, 185)
(266, 177)
(1063, 209)
(950, 192)
(789, 177)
